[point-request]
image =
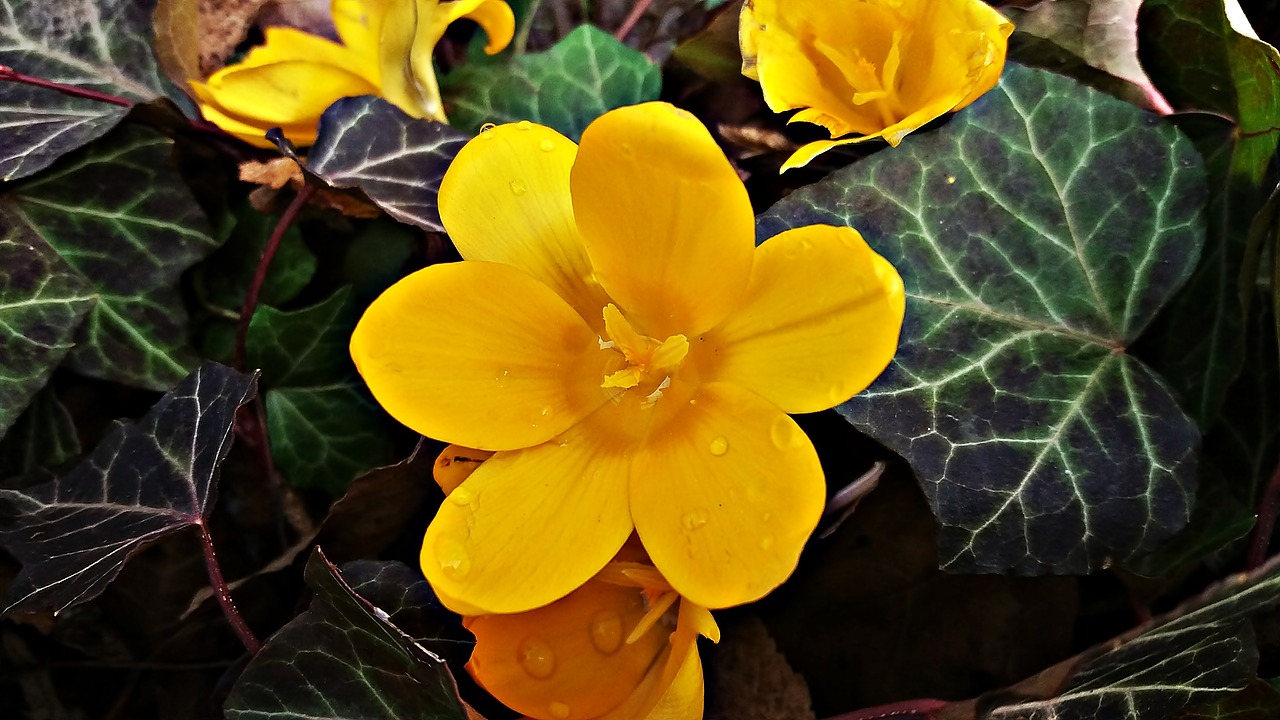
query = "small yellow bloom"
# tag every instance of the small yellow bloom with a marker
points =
(617, 339)
(621, 647)
(289, 80)
(877, 68)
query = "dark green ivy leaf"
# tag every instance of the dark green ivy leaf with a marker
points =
(44, 435)
(42, 302)
(1258, 701)
(223, 280)
(343, 658)
(582, 77)
(1037, 235)
(101, 45)
(144, 480)
(411, 605)
(1200, 657)
(324, 427)
(119, 213)
(396, 160)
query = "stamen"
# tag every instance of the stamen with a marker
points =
(653, 397)
(656, 611)
(604, 344)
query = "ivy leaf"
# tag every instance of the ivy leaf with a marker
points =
(582, 77)
(224, 278)
(95, 44)
(411, 605)
(326, 436)
(1258, 701)
(42, 302)
(1037, 234)
(396, 160)
(379, 505)
(324, 428)
(144, 480)
(119, 213)
(43, 435)
(343, 658)
(1100, 34)
(1200, 657)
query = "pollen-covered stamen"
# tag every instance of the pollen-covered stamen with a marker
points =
(648, 361)
(879, 88)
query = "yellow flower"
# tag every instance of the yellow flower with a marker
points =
(289, 80)
(878, 68)
(619, 341)
(621, 647)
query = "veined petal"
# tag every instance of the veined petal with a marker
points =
(456, 463)
(724, 496)
(819, 323)
(359, 24)
(530, 526)
(284, 44)
(567, 660)
(283, 93)
(505, 199)
(493, 16)
(479, 354)
(665, 218)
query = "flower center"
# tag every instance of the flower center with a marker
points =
(650, 363)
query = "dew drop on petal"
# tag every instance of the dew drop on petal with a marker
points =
(695, 518)
(606, 631)
(559, 710)
(783, 433)
(484, 130)
(452, 555)
(518, 187)
(524, 125)
(719, 446)
(461, 496)
(766, 542)
(536, 657)
(547, 145)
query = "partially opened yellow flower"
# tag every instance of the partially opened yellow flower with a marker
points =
(874, 68)
(289, 80)
(630, 355)
(621, 647)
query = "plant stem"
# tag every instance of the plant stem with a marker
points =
(264, 264)
(921, 709)
(1265, 524)
(8, 73)
(629, 24)
(223, 593)
(522, 35)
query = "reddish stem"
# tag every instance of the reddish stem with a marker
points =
(260, 274)
(8, 73)
(1265, 523)
(223, 593)
(629, 24)
(918, 708)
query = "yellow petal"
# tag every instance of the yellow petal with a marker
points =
(505, 199)
(410, 32)
(288, 92)
(359, 24)
(253, 133)
(666, 220)
(568, 660)
(456, 463)
(673, 689)
(284, 44)
(724, 496)
(479, 354)
(529, 526)
(820, 321)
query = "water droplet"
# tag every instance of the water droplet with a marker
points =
(559, 710)
(453, 557)
(606, 631)
(546, 411)
(461, 496)
(695, 519)
(718, 446)
(485, 128)
(783, 433)
(524, 125)
(547, 145)
(806, 245)
(536, 657)
(518, 187)
(951, 179)
(767, 517)
(766, 542)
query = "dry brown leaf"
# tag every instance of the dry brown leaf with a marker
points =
(177, 36)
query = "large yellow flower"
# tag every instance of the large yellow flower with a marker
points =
(617, 338)
(877, 68)
(621, 647)
(289, 80)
